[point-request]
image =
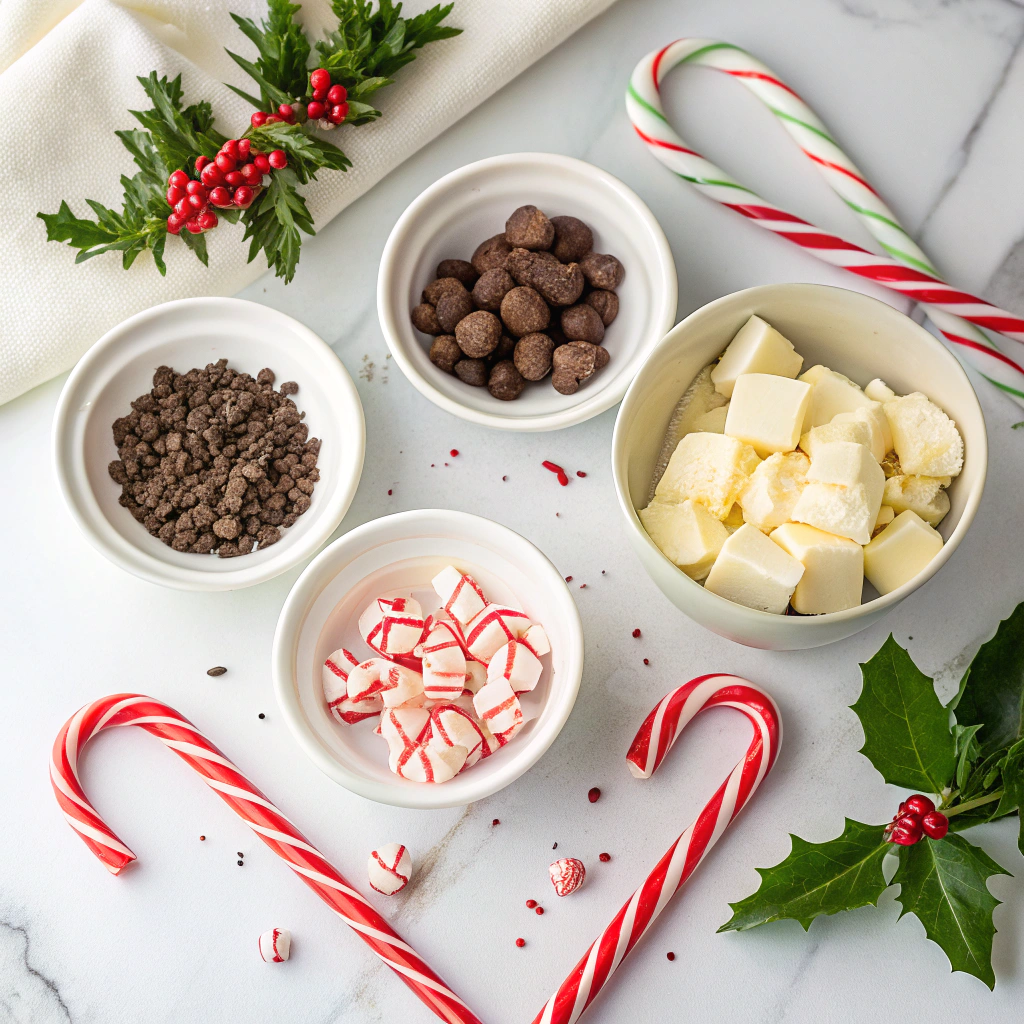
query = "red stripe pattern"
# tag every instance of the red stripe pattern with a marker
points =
(652, 743)
(179, 735)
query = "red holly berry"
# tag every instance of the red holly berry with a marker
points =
(174, 223)
(201, 162)
(935, 824)
(193, 225)
(320, 79)
(316, 110)
(211, 175)
(183, 208)
(251, 174)
(261, 163)
(243, 196)
(520, 942)
(197, 202)
(174, 195)
(195, 188)
(906, 830)
(231, 148)
(178, 178)
(918, 804)
(207, 220)
(225, 162)
(278, 159)
(220, 197)
(244, 148)
(337, 113)
(285, 110)
(273, 119)
(320, 95)
(258, 119)
(337, 94)
(234, 178)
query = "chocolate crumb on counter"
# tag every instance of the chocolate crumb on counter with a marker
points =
(217, 670)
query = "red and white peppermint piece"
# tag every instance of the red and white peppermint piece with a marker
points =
(394, 684)
(476, 676)
(493, 628)
(389, 869)
(276, 945)
(461, 594)
(537, 640)
(567, 875)
(392, 626)
(498, 707)
(403, 729)
(335, 682)
(430, 764)
(517, 664)
(455, 726)
(444, 664)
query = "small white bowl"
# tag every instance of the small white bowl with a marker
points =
(184, 334)
(452, 217)
(860, 337)
(403, 552)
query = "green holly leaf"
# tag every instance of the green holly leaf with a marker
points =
(943, 884)
(906, 729)
(817, 879)
(1012, 799)
(282, 55)
(992, 694)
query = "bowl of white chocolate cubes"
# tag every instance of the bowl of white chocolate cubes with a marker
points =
(793, 460)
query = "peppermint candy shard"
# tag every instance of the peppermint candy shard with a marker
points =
(462, 596)
(389, 869)
(567, 875)
(334, 676)
(517, 664)
(492, 628)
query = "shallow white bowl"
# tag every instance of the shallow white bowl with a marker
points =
(452, 217)
(186, 334)
(403, 552)
(847, 331)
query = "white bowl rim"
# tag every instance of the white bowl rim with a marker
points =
(752, 617)
(663, 273)
(76, 490)
(308, 587)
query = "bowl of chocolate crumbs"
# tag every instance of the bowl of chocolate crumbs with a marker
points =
(525, 291)
(209, 444)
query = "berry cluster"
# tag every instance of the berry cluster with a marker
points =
(328, 107)
(915, 818)
(231, 180)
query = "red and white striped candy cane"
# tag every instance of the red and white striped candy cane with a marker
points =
(962, 318)
(254, 809)
(652, 743)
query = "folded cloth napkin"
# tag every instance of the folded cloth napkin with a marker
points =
(67, 81)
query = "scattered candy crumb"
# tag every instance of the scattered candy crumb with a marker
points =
(539, 910)
(636, 634)
(261, 715)
(530, 904)
(580, 473)
(647, 661)
(594, 795)
(217, 670)
(202, 839)
(504, 478)
(583, 586)
(520, 943)
(568, 579)
(670, 956)
(553, 467)
(555, 846)
(240, 863)
(497, 821)
(454, 452)
(604, 857)
(389, 492)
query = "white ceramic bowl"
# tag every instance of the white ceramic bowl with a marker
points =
(847, 331)
(452, 217)
(403, 552)
(186, 334)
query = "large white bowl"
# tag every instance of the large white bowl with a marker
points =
(184, 334)
(847, 331)
(452, 217)
(403, 552)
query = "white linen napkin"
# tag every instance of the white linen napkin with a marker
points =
(67, 81)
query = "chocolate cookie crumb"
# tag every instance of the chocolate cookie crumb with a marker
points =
(452, 307)
(472, 371)
(523, 311)
(533, 356)
(491, 254)
(606, 303)
(529, 228)
(573, 239)
(441, 286)
(424, 318)
(506, 382)
(445, 352)
(492, 287)
(478, 334)
(582, 323)
(602, 271)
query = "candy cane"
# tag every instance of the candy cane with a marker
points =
(652, 743)
(254, 809)
(959, 315)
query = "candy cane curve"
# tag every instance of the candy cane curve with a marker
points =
(962, 318)
(179, 735)
(647, 752)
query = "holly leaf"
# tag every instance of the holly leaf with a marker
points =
(1012, 770)
(818, 879)
(943, 884)
(282, 55)
(274, 221)
(967, 752)
(992, 693)
(906, 729)
(307, 154)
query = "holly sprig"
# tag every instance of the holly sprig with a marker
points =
(969, 753)
(362, 54)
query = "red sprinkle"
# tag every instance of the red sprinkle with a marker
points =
(530, 904)
(604, 857)
(647, 661)
(520, 943)
(497, 821)
(389, 492)
(454, 452)
(568, 579)
(636, 634)
(671, 956)
(539, 910)
(594, 795)
(504, 478)
(580, 473)
(202, 839)
(555, 847)
(583, 586)
(553, 467)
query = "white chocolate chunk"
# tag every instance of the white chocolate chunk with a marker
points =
(713, 422)
(773, 489)
(734, 520)
(878, 391)
(753, 570)
(831, 393)
(901, 551)
(686, 533)
(922, 494)
(833, 568)
(709, 468)
(837, 430)
(872, 417)
(756, 348)
(767, 412)
(885, 516)
(843, 492)
(924, 437)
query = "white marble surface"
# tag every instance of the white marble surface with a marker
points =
(926, 95)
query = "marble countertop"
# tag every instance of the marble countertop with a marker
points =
(926, 96)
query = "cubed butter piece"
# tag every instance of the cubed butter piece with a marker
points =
(831, 393)
(873, 417)
(885, 516)
(878, 391)
(713, 422)
(925, 438)
(901, 551)
(756, 348)
(686, 533)
(924, 495)
(773, 489)
(754, 571)
(709, 468)
(767, 412)
(833, 568)
(843, 492)
(851, 430)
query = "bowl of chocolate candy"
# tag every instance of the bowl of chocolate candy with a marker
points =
(524, 291)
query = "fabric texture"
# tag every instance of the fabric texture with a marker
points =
(67, 81)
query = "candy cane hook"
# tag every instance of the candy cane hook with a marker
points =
(649, 748)
(962, 318)
(254, 809)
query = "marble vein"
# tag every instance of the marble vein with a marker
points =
(26, 993)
